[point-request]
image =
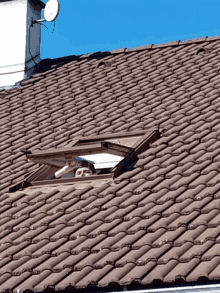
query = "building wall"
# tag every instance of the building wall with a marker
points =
(15, 31)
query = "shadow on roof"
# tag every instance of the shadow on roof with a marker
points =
(47, 64)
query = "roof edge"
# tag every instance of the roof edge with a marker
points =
(128, 50)
(51, 63)
(153, 46)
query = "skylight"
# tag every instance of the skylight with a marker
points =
(88, 158)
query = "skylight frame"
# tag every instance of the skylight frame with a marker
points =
(82, 145)
(81, 150)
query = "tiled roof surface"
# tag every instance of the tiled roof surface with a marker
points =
(159, 221)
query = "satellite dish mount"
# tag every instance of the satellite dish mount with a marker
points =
(51, 12)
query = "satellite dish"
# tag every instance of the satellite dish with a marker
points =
(51, 10)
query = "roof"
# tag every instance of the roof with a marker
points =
(157, 222)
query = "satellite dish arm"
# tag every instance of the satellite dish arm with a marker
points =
(37, 21)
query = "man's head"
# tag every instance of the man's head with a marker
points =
(85, 169)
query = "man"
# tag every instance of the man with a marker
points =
(77, 167)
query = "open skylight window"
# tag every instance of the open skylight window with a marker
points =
(103, 156)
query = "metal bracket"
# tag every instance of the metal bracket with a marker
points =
(36, 21)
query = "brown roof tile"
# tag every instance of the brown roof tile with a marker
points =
(157, 222)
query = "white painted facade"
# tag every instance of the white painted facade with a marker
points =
(19, 40)
(182, 289)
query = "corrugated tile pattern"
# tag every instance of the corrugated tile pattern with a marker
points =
(159, 221)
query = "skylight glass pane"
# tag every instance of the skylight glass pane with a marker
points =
(103, 160)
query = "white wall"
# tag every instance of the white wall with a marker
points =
(209, 288)
(15, 18)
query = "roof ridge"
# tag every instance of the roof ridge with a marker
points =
(52, 63)
(55, 62)
(152, 46)
(127, 50)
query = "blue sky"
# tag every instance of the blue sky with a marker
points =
(87, 26)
